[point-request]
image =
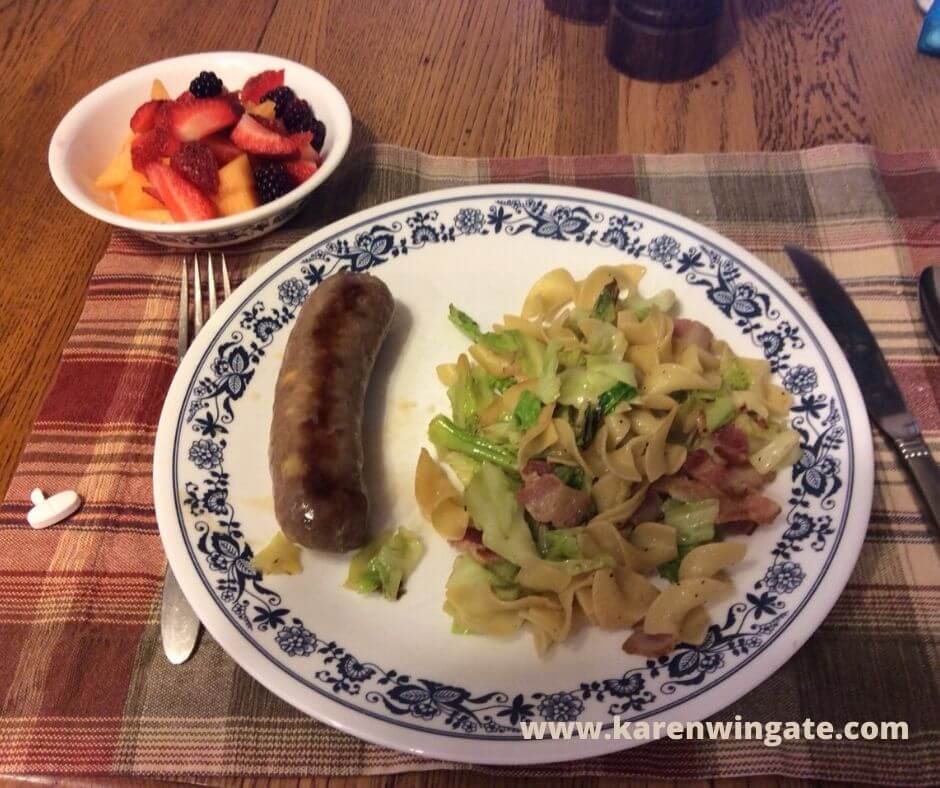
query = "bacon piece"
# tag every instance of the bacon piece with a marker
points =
(549, 500)
(649, 645)
(537, 468)
(749, 478)
(753, 506)
(737, 528)
(692, 331)
(731, 444)
(682, 488)
(700, 466)
(649, 510)
(732, 480)
(472, 545)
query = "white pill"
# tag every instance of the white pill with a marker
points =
(49, 511)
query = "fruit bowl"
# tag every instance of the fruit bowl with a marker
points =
(88, 137)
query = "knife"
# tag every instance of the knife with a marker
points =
(879, 388)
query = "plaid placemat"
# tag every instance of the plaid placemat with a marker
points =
(84, 687)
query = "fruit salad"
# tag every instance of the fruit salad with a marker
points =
(213, 152)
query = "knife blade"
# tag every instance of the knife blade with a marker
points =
(879, 388)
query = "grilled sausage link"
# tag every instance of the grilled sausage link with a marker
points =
(316, 431)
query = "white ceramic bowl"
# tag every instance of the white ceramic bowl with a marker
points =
(91, 133)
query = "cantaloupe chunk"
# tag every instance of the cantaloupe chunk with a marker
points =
(236, 187)
(132, 197)
(264, 110)
(236, 202)
(153, 215)
(158, 91)
(118, 168)
(236, 176)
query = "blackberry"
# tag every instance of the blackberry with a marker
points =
(298, 116)
(281, 96)
(272, 181)
(319, 135)
(206, 85)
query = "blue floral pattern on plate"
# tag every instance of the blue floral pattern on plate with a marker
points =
(816, 491)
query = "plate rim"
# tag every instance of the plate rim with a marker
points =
(352, 720)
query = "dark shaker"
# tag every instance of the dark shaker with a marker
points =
(589, 11)
(663, 40)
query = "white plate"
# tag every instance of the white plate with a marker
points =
(393, 673)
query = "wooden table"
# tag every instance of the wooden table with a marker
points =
(451, 77)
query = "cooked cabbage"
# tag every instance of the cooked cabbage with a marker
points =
(780, 452)
(694, 521)
(385, 563)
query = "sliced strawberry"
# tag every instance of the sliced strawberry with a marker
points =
(233, 99)
(147, 148)
(305, 151)
(303, 139)
(145, 115)
(271, 124)
(308, 153)
(222, 148)
(184, 200)
(299, 171)
(195, 162)
(252, 137)
(163, 124)
(185, 98)
(170, 143)
(162, 116)
(152, 192)
(201, 118)
(258, 85)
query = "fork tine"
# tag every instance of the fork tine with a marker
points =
(226, 286)
(210, 275)
(197, 296)
(183, 332)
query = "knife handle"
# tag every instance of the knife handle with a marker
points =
(926, 475)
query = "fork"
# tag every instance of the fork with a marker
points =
(179, 626)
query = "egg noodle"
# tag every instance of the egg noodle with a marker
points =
(601, 452)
